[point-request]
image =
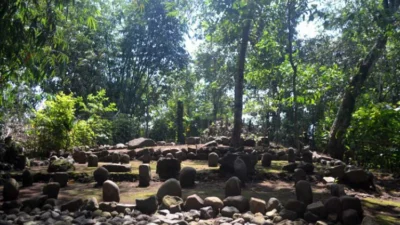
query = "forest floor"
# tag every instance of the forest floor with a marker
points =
(383, 205)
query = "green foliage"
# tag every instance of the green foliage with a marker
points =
(124, 128)
(374, 137)
(162, 130)
(58, 126)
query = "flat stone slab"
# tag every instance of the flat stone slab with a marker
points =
(118, 168)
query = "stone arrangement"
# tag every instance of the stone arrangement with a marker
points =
(168, 207)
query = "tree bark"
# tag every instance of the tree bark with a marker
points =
(291, 28)
(238, 109)
(342, 121)
(179, 123)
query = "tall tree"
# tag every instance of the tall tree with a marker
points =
(386, 22)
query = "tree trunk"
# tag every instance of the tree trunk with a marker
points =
(336, 146)
(291, 28)
(179, 123)
(238, 109)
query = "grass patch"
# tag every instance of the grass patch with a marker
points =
(276, 167)
(380, 202)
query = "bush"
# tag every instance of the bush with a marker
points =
(162, 130)
(124, 128)
(373, 137)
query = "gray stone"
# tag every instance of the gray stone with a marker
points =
(168, 168)
(299, 174)
(192, 140)
(140, 143)
(318, 208)
(72, 205)
(288, 214)
(61, 178)
(117, 168)
(337, 171)
(273, 203)
(51, 190)
(193, 202)
(27, 178)
(350, 217)
(213, 159)
(144, 175)
(187, 177)
(233, 187)
(240, 169)
(296, 206)
(10, 189)
(257, 205)
(100, 175)
(110, 191)
(91, 204)
(170, 187)
(216, 203)
(93, 160)
(239, 202)
(266, 160)
(124, 159)
(349, 202)
(337, 190)
(290, 167)
(291, 156)
(207, 213)
(304, 192)
(228, 211)
(333, 205)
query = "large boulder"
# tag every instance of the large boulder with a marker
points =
(354, 203)
(147, 205)
(110, 191)
(80, 157)
(168, 168)
(304, 192)
(115, 157)
(144, 175)
(192, 140)
(170, 187)
(27, 178)
(140, 143)
(61, 178)
(266, 160)
(93, 160)
(233, 187)
(240, 169)
(51, 190)
(211, 144)
(318, 209)
(10, 190)
(350, 217)
(60, 165)
(213, 159)
(100, 175)
(187, 177)
(358, 177)
(117, 168)
(337, 171)
(333, 205)
(239, 202)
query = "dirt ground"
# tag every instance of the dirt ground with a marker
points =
(384, 205)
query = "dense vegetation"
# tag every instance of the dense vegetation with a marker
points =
(80, 72)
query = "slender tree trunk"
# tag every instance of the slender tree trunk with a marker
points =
(336, 146)
(238, 110)
(179, 123)
(294, 77)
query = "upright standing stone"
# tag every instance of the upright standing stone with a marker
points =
(124, 159)
(61, 178)
(110, 191)
(179, 122)
(213, 159)
(299, 174)
(10, 190)
(115, 157)
(240, 169)
(27, 178)
(187, 177)
(266, 160)
(93, 161)
(51, 190)
(291, 156)
(168, 168)
(144, 175)
(233, 187)
(304, 192)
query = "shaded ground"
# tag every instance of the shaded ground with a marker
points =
(384, 206)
